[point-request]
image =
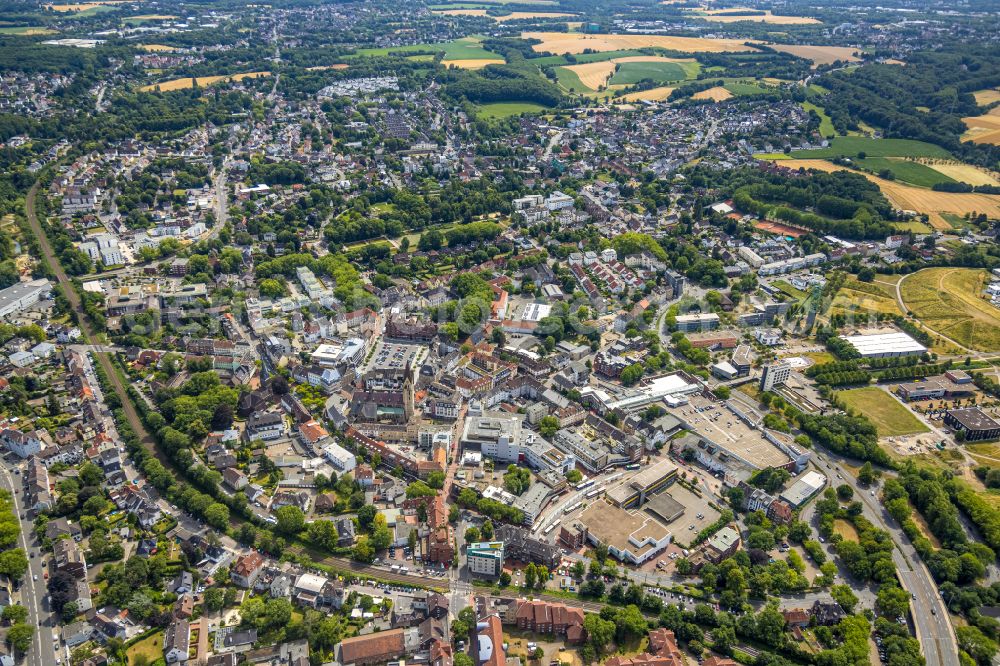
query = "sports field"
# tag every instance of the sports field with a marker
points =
(888, 415)
(575, 42)
(820, 55)
(186, 82)
(949, 301)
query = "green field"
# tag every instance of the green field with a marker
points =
(825, 124)
(850, 146)
(467, 48)
(507, 109)
(905, 171)
(27, 30)
(744, 89)
(568, 79)
(949, 301)
(582, 58)
(916, 226)
(888, 415)
(630, 73)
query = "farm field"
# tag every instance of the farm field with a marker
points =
(320, 68)
(820, 55)
(987, 97)
(506, 109)
(151, 17)
(473, 63)
(984, 128)
(83, 6)
(947, 301)
(513, 16)
(965, 173)
(850, 146)
(744, 88)
(628, 70)
(907, 197)
(890, 417)
(720, 16)
(157, 48)
(825, 124)
(466, 48)
(651, 95)
(584, 57)
(186, 82)
(574, 42)
(716, 94)
(906, 171)
(27, 30)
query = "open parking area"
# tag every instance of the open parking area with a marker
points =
(395, 356)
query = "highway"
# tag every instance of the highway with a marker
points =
(930, 615)
(33, 592)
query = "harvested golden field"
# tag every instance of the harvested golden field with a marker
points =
(820, 55)
(152, 17)
(652, 95)
(950, 301)
(513, 16)
(474, 63)
(157, 48)
(182, 84)
(595, 75)
(720, 16)
(574, 42)
(716, 94)
(984, 128)
(965, 173)
(987, 97)
(319, 68)
(919, 199)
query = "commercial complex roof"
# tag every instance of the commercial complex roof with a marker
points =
(884, 343)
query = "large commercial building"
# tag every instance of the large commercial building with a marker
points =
(974, 422)
(496, 435)
(485, 559)
(630, 537)
(22, 295)
(885, 345)
(698, 322)
(634, 491)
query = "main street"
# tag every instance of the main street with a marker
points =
(930, 615)
(33, 594)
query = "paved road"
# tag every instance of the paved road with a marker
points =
(930, 616)
(43, 648)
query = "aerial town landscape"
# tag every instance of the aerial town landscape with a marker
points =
(499, 333)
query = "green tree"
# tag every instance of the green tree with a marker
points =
(363, 550)
(19, 636)
(214, 598)
(323, 533)
(548, 425)
(15, 613)
(530, 576)
(290, 519)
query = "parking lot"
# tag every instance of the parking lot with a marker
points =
(395, 356)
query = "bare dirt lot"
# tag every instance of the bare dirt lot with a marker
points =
(574, 42)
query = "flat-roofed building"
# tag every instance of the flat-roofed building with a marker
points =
(496, 435)
(974, 422)
(634, 491)
(22, 295)
(884, 345)
(708, 321)
(630, 537)
(486, 558)
(805, 487)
